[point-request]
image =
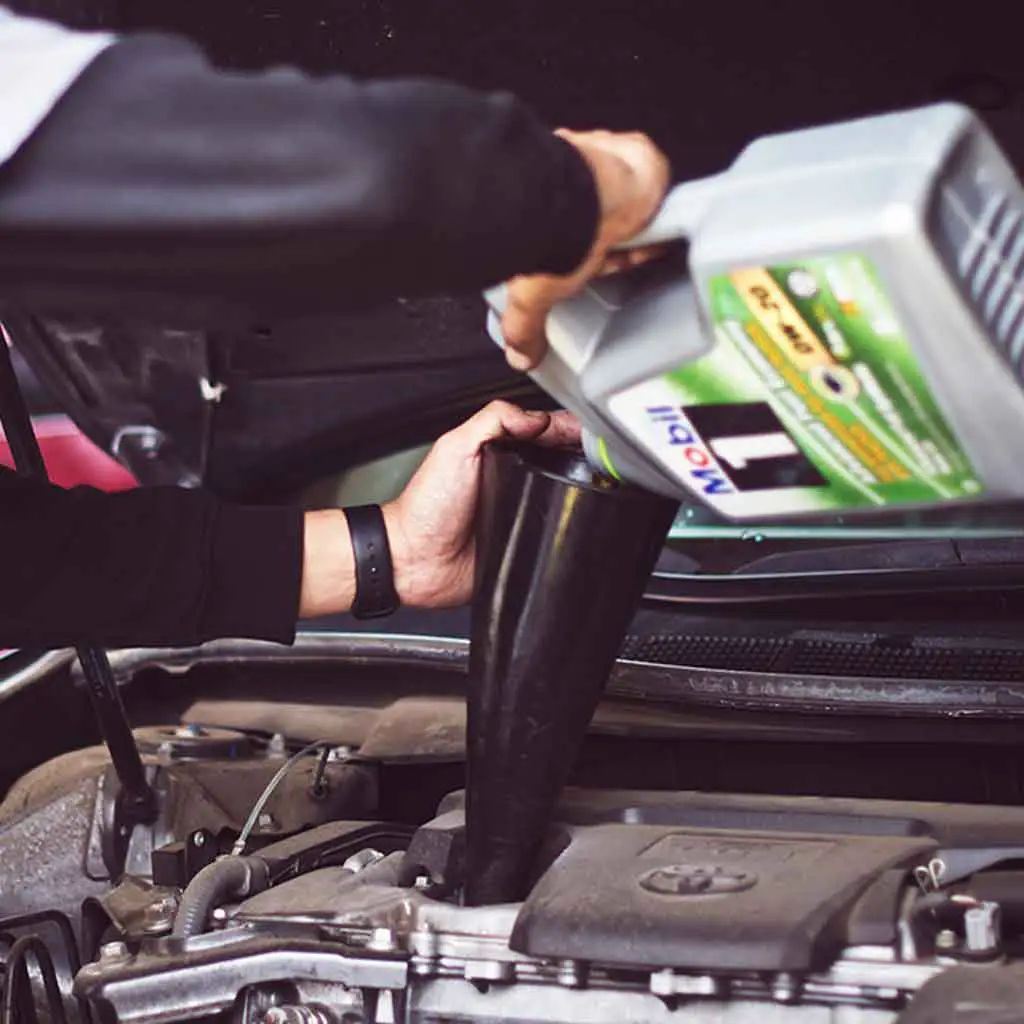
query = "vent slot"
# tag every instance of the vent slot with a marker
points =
(990, 264)
(835, 658)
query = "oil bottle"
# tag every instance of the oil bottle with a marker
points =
(842, 332)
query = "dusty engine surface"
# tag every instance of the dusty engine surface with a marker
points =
(647, 906)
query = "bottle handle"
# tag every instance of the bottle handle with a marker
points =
(559, 371)
(683, 209)
(680, 213)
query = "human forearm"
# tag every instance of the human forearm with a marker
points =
(157, 175)
(174, 567)
(430, 526)
(328, 564)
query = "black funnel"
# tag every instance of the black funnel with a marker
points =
(562, 558)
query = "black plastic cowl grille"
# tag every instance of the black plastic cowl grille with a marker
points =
(874, 659)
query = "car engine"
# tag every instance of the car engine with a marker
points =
(653, 910)
(289, 881)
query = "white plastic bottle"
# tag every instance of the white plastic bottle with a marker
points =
(846, 331)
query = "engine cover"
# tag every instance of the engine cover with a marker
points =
(706, 898)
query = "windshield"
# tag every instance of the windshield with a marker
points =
(701, 543)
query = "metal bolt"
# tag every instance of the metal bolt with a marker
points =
(425, 941)
(266, 821)
(785, 988)
(337, 754)
(946, 940)
(113, 951)
(569, 974)
(982, 926)
(666, 984)
(158, 917)
(663, 982)
(382, 940)
(198, 839)
(278, 745)
(489, 970)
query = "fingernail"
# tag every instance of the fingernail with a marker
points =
(519, 361)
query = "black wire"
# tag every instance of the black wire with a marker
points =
(16, 1003)
(317, 787)
(28, 459)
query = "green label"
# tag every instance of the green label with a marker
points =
(812, 399)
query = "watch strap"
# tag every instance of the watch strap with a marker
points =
(375, 575)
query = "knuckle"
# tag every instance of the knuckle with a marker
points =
(448, 440)
(511, 330)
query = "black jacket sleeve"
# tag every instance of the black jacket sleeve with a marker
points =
(152, 567)
(158, 180)
(158, 177)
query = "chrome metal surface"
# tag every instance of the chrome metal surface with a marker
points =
(34, 672)
(207, 976)
(446, 1000)
(309, 648)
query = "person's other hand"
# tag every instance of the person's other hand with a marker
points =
(431, 525)
(632, 176)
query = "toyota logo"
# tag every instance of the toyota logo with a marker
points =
(697, 880)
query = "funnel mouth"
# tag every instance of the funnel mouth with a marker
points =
(566, 465)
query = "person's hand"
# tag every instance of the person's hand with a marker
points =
(632, 176)
(430, 526)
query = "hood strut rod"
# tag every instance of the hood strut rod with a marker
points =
(135, 802)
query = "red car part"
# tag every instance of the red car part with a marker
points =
(72, 460)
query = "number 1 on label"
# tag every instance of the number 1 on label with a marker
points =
(739, 451)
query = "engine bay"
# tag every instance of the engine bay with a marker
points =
(296, 881)
(655, 907)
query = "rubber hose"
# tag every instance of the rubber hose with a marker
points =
(224, 879)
